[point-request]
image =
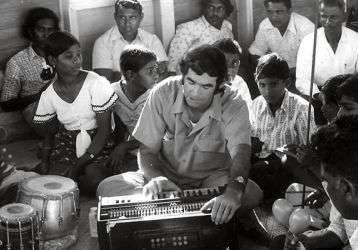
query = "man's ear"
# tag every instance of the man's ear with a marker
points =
(52, 61)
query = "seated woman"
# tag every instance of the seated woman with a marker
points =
(140, 71)
(82, 102)
(25, 78)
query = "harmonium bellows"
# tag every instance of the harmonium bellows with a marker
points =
(171, 220)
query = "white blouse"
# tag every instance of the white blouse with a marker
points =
(95, 96)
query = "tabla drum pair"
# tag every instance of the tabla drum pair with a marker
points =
(56, 199)
(18, 227)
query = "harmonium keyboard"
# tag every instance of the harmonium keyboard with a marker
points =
(171, 220)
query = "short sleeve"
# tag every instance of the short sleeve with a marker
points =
(150, 127)
(158, 48)
(237, 123)
(259, 46)
(45, 111)
(101, 55)
(11, 85)
(103, 97)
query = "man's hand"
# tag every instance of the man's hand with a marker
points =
(224, 206)
(117, 158)
(159, 184)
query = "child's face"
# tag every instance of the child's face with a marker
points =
(272, 90)
(148, 75)
(347, 106)
(233, 64)
(328, 109)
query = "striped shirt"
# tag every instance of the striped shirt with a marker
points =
(288, 126)
(22, 75)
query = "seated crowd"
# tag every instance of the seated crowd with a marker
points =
(143, 121)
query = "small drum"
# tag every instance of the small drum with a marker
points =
(18, 227)
(56, 199)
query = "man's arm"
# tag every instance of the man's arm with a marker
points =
(321, 239)
(19, 103)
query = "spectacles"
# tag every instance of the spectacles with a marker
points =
(128, 19)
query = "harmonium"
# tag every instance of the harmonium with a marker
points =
(171, 220)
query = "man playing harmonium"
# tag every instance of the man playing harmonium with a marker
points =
(194, 133)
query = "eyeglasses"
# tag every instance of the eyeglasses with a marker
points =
(127, 19)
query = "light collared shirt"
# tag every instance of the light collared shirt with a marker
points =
(287, 126)
(22, 75)
(269, 39)
(193, 34)
(328, 63)
(108, 48)
(192, 152)
(346, 230)
(240, 85)
(126, 110)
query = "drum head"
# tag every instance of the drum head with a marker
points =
(49, 185)
(16, 212)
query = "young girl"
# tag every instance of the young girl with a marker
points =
(82, 102)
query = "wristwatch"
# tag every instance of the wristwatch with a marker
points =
(90, 155)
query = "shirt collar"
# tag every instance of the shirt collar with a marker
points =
(284, 105)
(208, 25)
(214, 111)
(32, 54)
(290, 27)
(118, 35)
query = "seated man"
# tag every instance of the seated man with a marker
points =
(107, 49)
(281, 32)
(24, 81)
(337, 147)
(140, 71)
(278, 117)
(207, 29)
(194, 133)
(232, 52)
(336, 52)
(10, 177)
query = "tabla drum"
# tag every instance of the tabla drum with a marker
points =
(18, 227)
(56, 199)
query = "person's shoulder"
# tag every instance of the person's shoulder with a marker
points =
(258, 101)
(351, 34)
(265, 25)
(93, 78)
(194, 22)
(300, 18)
(231, 98)
(107, 35)
(168, 86)
(18, 58)
(297, 100)
(146, 34)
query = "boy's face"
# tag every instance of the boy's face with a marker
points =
(199, 90)
(272, 90)
(278, 14)
(128, 21)
(43, 28)
(233, 64)
(342, 194)
(148, 75)
(347, 106)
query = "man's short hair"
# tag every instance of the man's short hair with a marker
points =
(135, 57)
(272, 66)
(228, 45)
(229, 8)
(206, 59)
(33, 16)
(334, 3)
(287, 3)
(329, 89)
(128, 4)
(349, 88)
(336, 145)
